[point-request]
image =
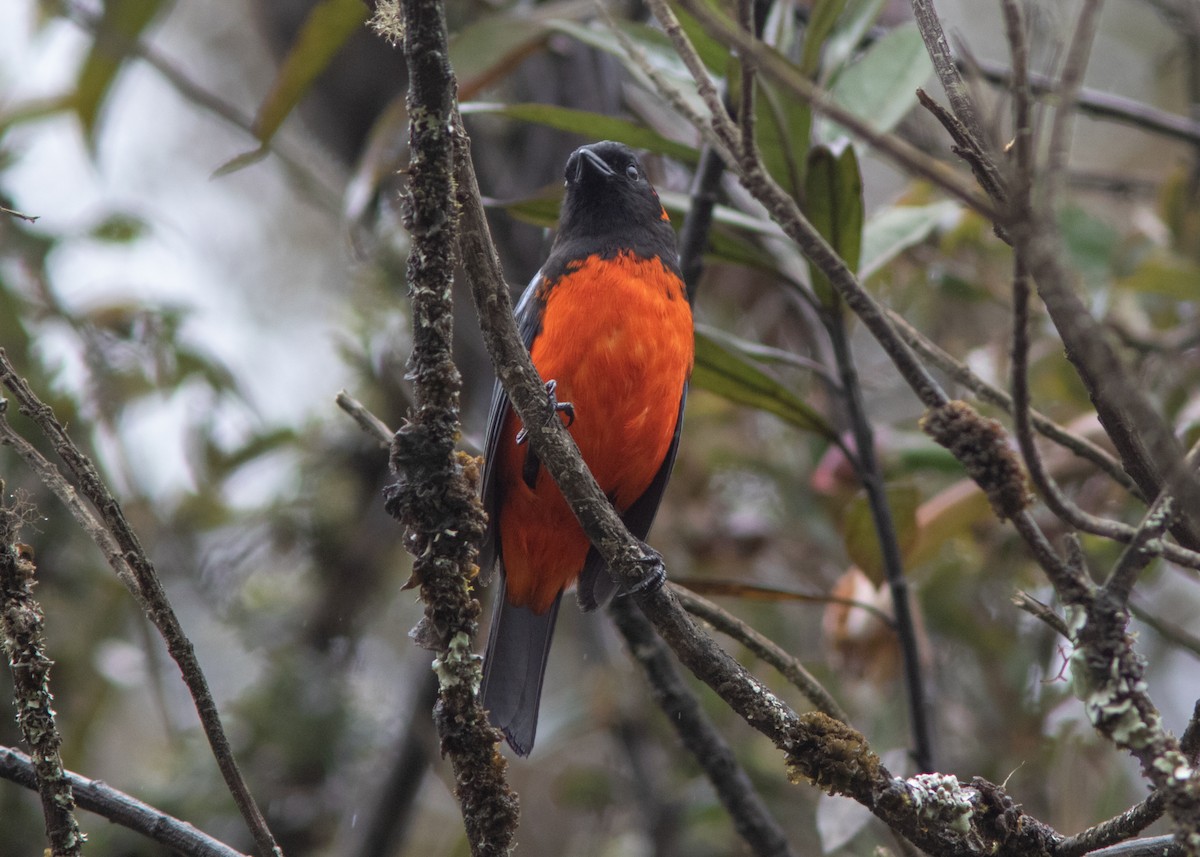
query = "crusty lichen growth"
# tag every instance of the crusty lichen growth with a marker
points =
(1107, 675)
(21, 623)
(980, 446)
(941, 801)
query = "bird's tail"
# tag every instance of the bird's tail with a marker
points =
(514, 666)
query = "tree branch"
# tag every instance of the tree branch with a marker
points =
(119, 808)
(751, 818)
(436, 497)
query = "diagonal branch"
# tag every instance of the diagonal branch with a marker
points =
(697, 732)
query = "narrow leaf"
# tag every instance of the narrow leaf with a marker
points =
(834, 203)
(821, 20)
(595, 126)
(721, 370)
(123, 21)
(328, 26)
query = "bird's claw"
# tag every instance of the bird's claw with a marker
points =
(654, 573)
(559, 407)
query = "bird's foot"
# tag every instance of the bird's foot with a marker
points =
(559, 407)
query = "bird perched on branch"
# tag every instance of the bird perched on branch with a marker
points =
(609, 328)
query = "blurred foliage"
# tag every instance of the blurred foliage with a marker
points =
(270, 534)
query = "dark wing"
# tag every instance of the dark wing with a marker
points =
(529, 321)
(596, 585)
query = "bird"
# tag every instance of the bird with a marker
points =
(608, 323)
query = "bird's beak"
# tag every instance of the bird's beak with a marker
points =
(588, 165)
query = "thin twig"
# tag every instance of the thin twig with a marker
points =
(1169, 631)
(870, 475)
(1144, 544)
(947, 70)
(303, 176)
(367, 421)
(119, 808)
(1042, 612)
(1139, 553)
(1152, 846)
(1117, 829)
(1102, 105)
(149, 592)
(28, 218)
(1068, 91)
(749, 73)
(906, 156)
(962, 375)
(751, 818)
(762, 646)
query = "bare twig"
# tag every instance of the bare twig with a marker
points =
(763, 647)
(1152, 846)
(961, 374)
(1169, 631)
(28, 218)
(119, 808)
(302, 175)
(696, 731)
(1043, 612)
(947, 70)
(1124, 826)
(367, 421)
(1101, 105)
(870, 475)
(135, 566)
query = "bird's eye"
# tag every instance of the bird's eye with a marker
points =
(632, 173)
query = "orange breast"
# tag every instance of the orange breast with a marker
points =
(617, 337)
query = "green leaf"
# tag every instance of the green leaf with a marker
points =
(853, 25)
(821, 20)
(1090, 243)
(722, 370)
(1165, 274)
(328, 26)
(595, 126)
(539, 210)
(882, 86)
(861, 538)
(783, 126)
(123, 21)
(834, 203)
(713, 54)
(892, 230)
